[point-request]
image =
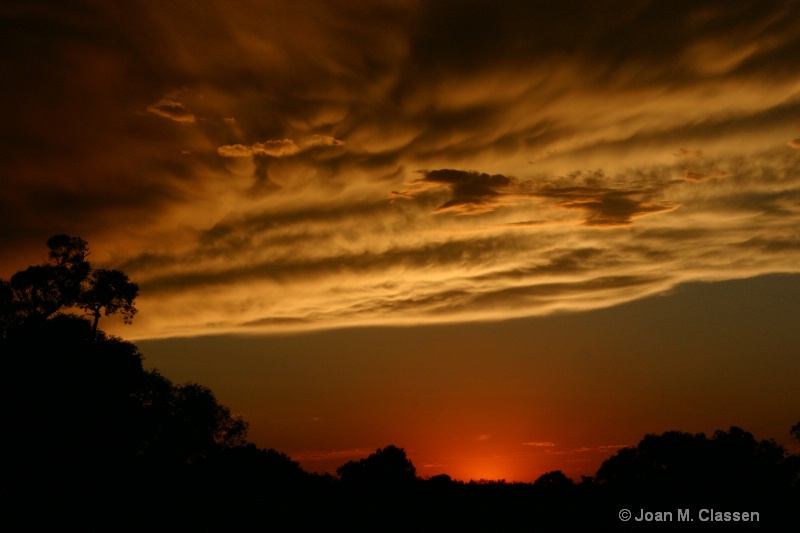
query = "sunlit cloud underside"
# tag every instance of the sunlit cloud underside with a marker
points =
(276, 168)
(454, 245)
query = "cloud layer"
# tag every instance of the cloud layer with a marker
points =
(278, 167)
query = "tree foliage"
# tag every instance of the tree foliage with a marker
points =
(108, 292)
(66, 282)
(83, 420)
(553, 480)
(387, 467)
(730, 466)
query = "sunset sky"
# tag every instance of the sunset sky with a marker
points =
(508, 238)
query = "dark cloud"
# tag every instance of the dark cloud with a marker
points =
(676, 41)
(472, 192)
(607, 207)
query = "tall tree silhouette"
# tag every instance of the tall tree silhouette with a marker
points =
(66, 281)
(88, 433)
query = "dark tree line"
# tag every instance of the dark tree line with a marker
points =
(92, 441)
(89, 435)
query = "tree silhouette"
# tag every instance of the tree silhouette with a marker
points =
(8, 308)
(66, 281)
(555, 480)
(108, 292)
(387, 467)
(730, 467)
(66, 251)
(42, 290)
(88, 433)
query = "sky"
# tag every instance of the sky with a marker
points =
(508, 238)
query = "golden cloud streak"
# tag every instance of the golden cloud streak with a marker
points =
(386, 263)
(338, 165)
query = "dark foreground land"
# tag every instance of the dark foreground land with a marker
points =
(92, 441)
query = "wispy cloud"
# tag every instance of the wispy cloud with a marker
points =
(279, 148)
(172, 110)
(695, 176)
(686, 152)
(282, 167)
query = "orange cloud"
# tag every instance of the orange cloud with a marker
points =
(322, 140)
(714, 175)
(277, 148)
(235, 150)
(279, 208)
(172, 110)
(684, 152)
